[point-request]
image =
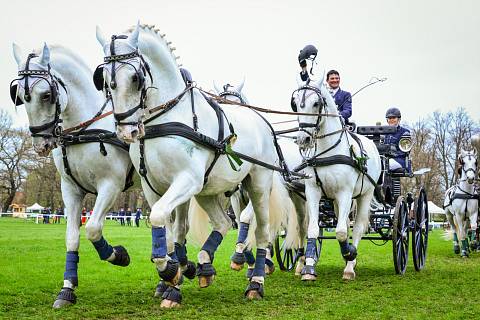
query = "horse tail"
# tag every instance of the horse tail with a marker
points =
(448, 234)
(199, 223)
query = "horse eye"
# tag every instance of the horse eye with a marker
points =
(46, 96)
(134, 78)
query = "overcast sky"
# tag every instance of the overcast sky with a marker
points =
(428, 50)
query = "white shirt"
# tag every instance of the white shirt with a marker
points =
(333, 92)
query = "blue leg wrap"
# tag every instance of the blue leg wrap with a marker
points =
(159, 242)
(243, 232)
(103, 248)
(259, 270)
(311, 251)
(349, 252)
(71, 267)
(212, 243)
(249, 258)
(455, 237)
(181, 253)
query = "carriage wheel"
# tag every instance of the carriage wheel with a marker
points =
(420, 231)
(400, 236)
(286, 257)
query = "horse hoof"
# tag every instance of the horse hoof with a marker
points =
(59, 303)
(309, 277)
(300, 265)
(236, 266)
(122, 258)
(349, 276)
(205, 281)
(253, 295)
(269, 269)
(168, 304)
(456, 249)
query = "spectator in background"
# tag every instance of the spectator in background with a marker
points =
(121, 216)
(84, 216)
(138, 215)
(129, 217)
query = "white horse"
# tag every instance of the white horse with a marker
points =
(55, 85)
(461, 203)
(338, 174)
(282, 209)
(142, 73)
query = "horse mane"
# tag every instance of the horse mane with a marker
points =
(155, 32)
(57, 49)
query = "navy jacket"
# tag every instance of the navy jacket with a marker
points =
(343, 100)
(393, 140)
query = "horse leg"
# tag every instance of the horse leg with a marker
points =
(238, 258)
(343, 204)
(473, 227)
(72, 198)
(180, 230)
(118, 255)
(313, 195)
(299, 204)
(456, 246)
(359, 229)
(179, 192)
(220, 225)
(259, 184)
(461, 230)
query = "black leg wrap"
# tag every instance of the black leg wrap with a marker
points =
(269, 263)
(308, 270)
(238, 258)
(121, 256)
(205, 270)
(172, 294)
(170, 271)
(190, 271)
(67, 294)
(349, 252)
(255, 286)
(249, 273)
(160, 289)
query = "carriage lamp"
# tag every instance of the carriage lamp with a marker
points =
(405, 144)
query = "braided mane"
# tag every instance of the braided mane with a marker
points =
(150, 28)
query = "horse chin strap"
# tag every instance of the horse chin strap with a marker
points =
(53, 81)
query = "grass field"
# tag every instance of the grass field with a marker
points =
(32, 264)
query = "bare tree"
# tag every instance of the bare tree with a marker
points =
(16, 154)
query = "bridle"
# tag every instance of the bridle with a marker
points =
(53, 83)
(474, 170)
(227, 92)
(140, 72)
(321, 102)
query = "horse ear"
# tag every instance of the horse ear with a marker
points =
(98, 79)
(240, 86)
(100, 36)
(17, 53)
(133, 38)
(216, 87)
(44, 58)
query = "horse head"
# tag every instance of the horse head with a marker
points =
(468, 162)
(311, 97)
(44, 94)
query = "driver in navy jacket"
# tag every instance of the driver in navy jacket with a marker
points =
(343, 99)
(394, 116)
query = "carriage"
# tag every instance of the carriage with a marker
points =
(394, 214)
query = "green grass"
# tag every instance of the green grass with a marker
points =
(32, 264)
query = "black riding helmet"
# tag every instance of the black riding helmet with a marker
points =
(309, 52)
(393, 112)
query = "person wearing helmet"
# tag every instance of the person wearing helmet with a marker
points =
(309, 52)
(343, 99)
(393, 116)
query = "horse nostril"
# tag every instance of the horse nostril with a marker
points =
(134, 133)
(307, 140)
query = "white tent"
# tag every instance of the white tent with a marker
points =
(35, 208)
(436, 213)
